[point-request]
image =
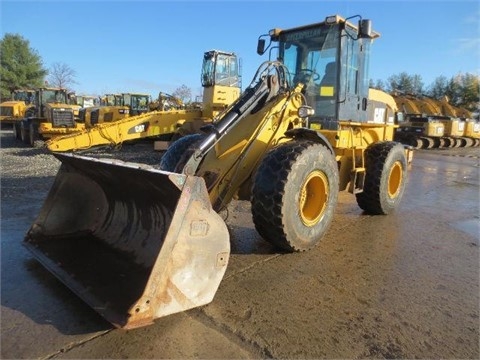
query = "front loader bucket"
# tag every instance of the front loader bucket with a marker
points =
(133, 242)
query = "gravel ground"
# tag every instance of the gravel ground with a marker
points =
(27, 173)
(38, 163)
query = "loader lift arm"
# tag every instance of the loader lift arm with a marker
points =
(248, 101)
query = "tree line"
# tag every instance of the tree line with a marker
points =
(461, 90)
(22, 67)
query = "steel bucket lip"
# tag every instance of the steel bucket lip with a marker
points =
(128, 164)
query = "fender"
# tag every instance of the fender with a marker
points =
(309, 134)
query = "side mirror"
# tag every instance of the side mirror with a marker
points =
(261, 46)
(365, 29)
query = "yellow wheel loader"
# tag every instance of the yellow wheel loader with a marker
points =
(51, 116)
(104, 126)
(138, 243)
(13, 111)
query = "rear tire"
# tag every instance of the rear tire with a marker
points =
(385, 178)
(294, 195)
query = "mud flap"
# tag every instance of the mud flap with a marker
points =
(134, 242)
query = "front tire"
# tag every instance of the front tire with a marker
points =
(24, 132)
(294, 195)
(16, 130)
(34, 137)
(385, 178)
(179, 152)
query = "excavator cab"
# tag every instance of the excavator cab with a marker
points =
(221, 81)
(331, 59)
(137, 103)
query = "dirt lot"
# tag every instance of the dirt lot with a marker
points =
(399, 286)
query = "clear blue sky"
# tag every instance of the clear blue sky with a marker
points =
(152, 46)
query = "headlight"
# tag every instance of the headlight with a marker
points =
(305, 111)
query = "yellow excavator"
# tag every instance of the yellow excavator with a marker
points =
(221, 86)
(430, 123)
(137, 242)
(460, 126)
(415, 128)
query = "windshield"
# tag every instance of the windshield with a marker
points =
(310, 56)
(220, 69)
(27, 96)
(306, 53)
(54, 96)
(112, 100)
(139, 102)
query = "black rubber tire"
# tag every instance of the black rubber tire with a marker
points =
(385, 178)
(33, 136)
(462, 142)
(179, 152)
(418, 143)
(428, 143)
(24, 132)
(16, 130)
(468, 142)
(282, 212)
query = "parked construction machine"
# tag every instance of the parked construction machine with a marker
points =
(138, 243)
(115, 108)
(221, 86)
(165, 102)
(14, 109)
(81, 103)
(415, 128)
(51, 115)
(429, 123)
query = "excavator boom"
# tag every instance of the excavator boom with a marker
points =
(147, 125)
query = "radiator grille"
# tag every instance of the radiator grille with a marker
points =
(63, 118)
(6, 111)
(81, 114)
(94, 117)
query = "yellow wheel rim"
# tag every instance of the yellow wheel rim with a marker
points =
(313, 198)
(395, 179)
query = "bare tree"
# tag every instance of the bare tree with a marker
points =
(61, 75)
(184, 93)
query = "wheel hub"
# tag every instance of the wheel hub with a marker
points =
(395, 179)
(313, 198)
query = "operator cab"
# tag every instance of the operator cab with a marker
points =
(220, 68)
(137, 103)
(331, 59)
(221, 81)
